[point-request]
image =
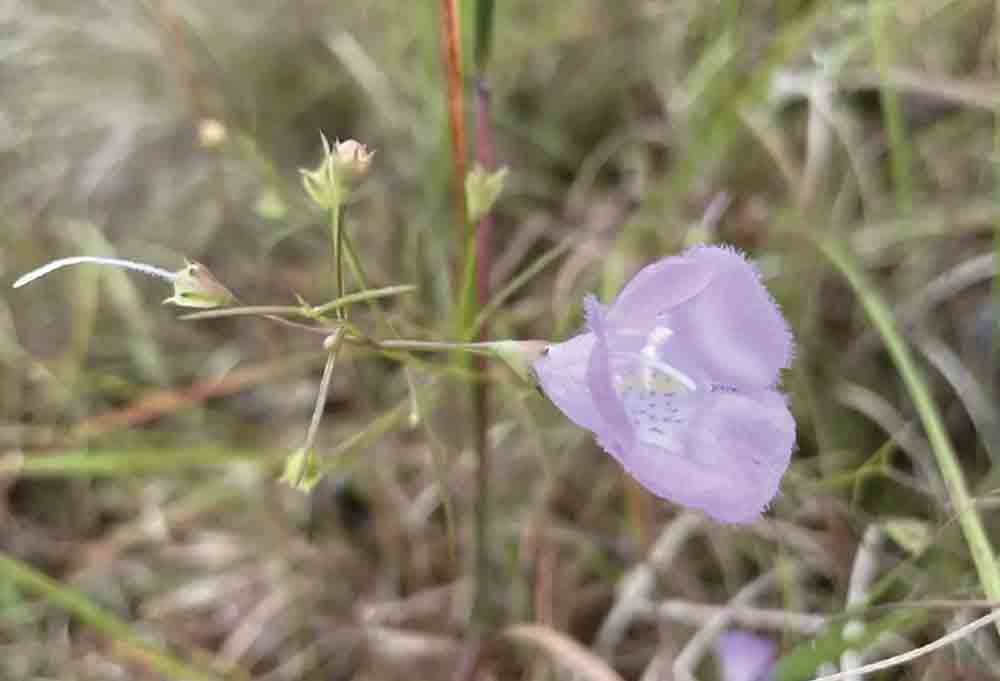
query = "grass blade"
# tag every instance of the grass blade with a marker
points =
(484, 32)
(128, 644)
(944, 452)
(89, 464)
(900, 150)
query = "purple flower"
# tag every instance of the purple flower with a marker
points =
(676, 379)
(745, 657)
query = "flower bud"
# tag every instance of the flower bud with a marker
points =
(352, 160)
(482, 189)
(301, 471)
(342, 167)
(195, 286)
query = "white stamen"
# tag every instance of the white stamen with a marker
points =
(651, 362)
(95, 260)
(653, 393)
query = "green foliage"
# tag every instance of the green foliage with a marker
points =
(807, 659)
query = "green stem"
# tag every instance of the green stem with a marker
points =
(485, 13)
(337, 235)
(129, 645)
(427, 346)
(415, 418)
(947, 459)
(900, 151)
(518, 282)
(301, 470)
(336, 342)
(358, 272)
(360, 441)
(245, 311)
(359, 275)
(365, 296)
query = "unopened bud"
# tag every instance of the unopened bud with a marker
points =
(352, 160)
(482, 189)
(301, 471)
(195, 286)
(342, 167)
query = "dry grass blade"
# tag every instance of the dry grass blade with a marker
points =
(863, 574)
(699, 614)
(699, 644)
(637, 587)
(563, 650)
(162, 402)
(970, 391)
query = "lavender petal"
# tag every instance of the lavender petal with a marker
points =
(562, 374)
(733, 330)
(730, 463)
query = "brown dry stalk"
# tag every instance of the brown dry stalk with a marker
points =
(163, 402)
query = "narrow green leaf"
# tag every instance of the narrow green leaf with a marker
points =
(485, 12)
(112, 464)
(900, 150)
(944, 452)
(130, 646)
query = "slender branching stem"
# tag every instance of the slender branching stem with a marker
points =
(245, 311)
(425, 346)
(334, 346)
(304, 310)
(337, 236)
(324, 388)
(358, 272)
(365, 296)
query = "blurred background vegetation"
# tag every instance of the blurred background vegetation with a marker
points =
(139, 453)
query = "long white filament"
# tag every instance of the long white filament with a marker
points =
(94, 260)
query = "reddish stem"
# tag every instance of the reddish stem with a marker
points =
(451, 45)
